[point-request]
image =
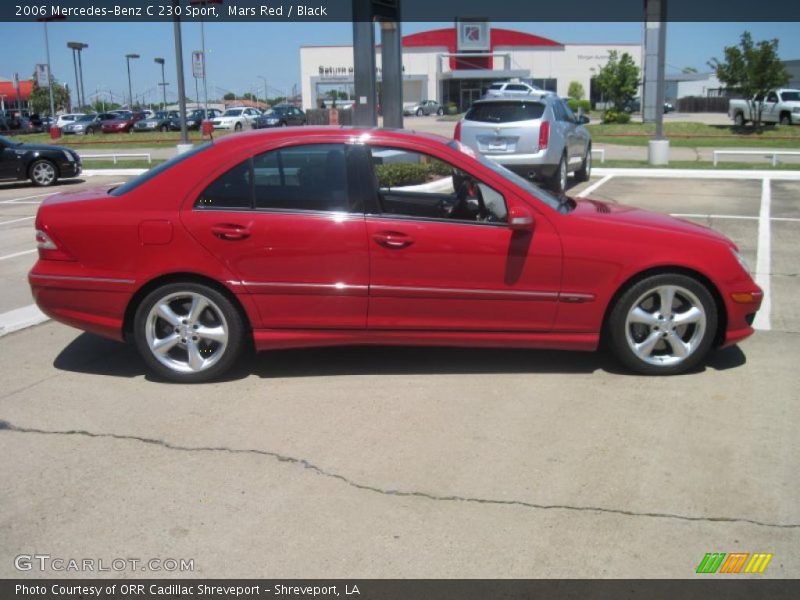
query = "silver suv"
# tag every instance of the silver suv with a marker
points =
(537, 137)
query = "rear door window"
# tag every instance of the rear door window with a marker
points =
(505, 112)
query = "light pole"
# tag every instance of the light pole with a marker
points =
(77, 47)
(160, 61)
(128, 58)
(49, 74)
(266, 89)
(75, 67)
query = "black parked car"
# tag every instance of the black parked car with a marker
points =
(280, 115)
(193, 119)
(161, 121)
(42, 164)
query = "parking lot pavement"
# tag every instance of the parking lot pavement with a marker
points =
(412, 462)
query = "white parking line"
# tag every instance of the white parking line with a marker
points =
(594, 186)
(21, 200)
(763, 261)
(16, 220)
(16, 254)
(20, 318)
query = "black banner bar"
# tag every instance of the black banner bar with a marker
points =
(412, 10)
(710, 587)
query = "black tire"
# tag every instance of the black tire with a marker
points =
(558, 181)
(90, 131)
(420, 112)
(237, 127)
(440, 111)
(585, 172)
(163, 129)
(738, 119)
(623, 335)
(284, 124)
(786, 119)
(219, 315)
(43, 173)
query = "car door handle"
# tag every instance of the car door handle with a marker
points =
(230, 232)
(392, 239)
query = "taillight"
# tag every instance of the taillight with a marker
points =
(457, 132)
(544, 134)
(49, 249)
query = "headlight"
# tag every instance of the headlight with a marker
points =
(272, 121)
(796, 109)
(741, 259)
(69, 156)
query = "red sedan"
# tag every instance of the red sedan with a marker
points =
(124, 124)
(325, 236)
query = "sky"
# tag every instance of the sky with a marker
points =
(241, 54)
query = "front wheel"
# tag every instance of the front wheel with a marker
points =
(164, 128)
(419, 112)
(440, 112)
(786, 119)
(43, 173)
(237, 127)
(188, 332)
(663, 325)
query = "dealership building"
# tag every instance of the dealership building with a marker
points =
(457, 64)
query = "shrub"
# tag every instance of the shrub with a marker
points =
(452, 108)
(401, 174)
(576, 90)
(616, 116)
(574, 105)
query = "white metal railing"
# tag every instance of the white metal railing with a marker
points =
(116, 155)
(764, 153)
(601, 152)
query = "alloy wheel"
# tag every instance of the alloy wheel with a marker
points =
(43, 173)
(665, 325)
(186, 332)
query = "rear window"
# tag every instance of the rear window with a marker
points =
(505, 112)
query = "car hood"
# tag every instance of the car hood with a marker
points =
(41, 148)
(600, 212)
(117, 122)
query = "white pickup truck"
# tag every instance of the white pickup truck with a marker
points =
(780, 106)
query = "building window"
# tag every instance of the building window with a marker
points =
(551, 85)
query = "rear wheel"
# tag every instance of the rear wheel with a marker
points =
(164, 128)
(585, 172)
(440, 111)
(43, 173)
(663, 325)
(738, 119)
(188, 332)
(237, 127)
(90, 131)
(558, 182)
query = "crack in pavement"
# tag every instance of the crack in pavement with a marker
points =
(6, 426)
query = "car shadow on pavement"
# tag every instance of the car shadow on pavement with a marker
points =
(92, 355)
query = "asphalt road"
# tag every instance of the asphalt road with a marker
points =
(411, 462)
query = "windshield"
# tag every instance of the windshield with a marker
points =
(86, 118)
(791, 96)
(527, 185)
(155, 171)
(233, 112)
(161, 114)
(8, 141)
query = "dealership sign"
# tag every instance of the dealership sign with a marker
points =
(43, 76)
(473, 35)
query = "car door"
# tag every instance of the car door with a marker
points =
(435, 265)
(769, 113)
(576, 135)
(287, 225)
(10, 161)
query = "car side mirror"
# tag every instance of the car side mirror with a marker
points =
(520, 219)
(583, 120)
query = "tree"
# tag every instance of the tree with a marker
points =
(249, 96)
(229, 96)
(39, 100)
(619, 79)
(576, 91)
(752, 69)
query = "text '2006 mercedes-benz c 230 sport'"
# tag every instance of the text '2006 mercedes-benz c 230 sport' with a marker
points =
(334, 236)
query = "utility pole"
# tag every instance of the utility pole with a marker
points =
(184, 145)
(160, 61)
(49, 74)
(128, 58)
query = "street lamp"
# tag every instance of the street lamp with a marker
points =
(163, 84)
(128, 57)
(266, 89)
(76, 48)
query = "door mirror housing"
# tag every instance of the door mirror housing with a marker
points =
(520, 219)
(583, 120)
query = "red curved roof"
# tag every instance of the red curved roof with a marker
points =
(8, 90)
(446, 38)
